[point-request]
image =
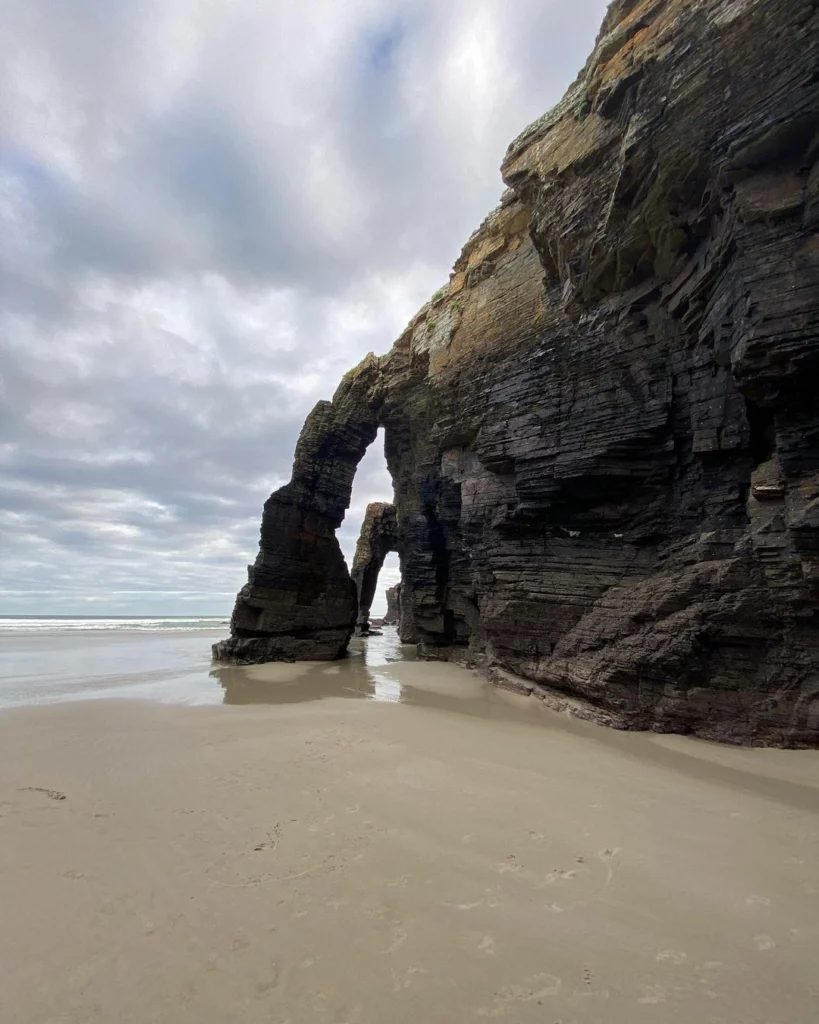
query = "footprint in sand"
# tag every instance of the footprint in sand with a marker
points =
(510, 864)
(672, 956)
(712, 967)
(347, 1015)
(558, 874)
(269, 982)
(375, 911)
(652, 994)
(764, 942)
(271, 842)
(532, 989)
(504, 869)
(608, 854)
(757, 901)
(489, 900)
(52, 794)
(406, 978)
(399, 937)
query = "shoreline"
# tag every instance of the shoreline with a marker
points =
(364, 860)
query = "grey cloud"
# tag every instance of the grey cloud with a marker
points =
(207, 214)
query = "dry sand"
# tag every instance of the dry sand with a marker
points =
(358, 862)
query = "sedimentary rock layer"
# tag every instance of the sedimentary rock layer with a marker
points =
(299, 601)
(391, 616)
(603, 433)
(378, 537)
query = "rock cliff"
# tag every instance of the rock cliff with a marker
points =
(603, 432)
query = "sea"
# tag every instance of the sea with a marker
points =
(72, 623)
(58, 658)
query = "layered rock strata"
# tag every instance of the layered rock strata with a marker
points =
(299, 601)
(378, 537)
(603, 432)
(392, 614)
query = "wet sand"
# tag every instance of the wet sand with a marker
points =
(468, 855)
(53, 667)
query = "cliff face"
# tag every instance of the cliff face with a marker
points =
(604, 432)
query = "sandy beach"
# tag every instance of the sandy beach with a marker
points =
(465, 856)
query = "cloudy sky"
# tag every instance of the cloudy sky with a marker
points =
(209, 210)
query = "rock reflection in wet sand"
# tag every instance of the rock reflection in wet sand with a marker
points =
(357, 675)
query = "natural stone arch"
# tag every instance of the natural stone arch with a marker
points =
(602, 432)
(300, 602)
(378, 537)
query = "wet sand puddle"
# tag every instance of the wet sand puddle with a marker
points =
(382, 669)
(363, 673)
(377, 668)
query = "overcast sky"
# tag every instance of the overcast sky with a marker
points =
(209, 210)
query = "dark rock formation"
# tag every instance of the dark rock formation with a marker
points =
(391, 618)
(395, 616)
(378, 538)
(603, 433)
(299, 601)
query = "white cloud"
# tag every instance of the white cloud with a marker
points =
(208, 212)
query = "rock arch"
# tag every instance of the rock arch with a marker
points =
(603, 432)
(299, 602)
(379, 536)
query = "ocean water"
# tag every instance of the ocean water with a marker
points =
(52, 659)
(70, 623)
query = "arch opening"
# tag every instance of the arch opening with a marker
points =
(379, 537)
(300, 602)
(372, 483)
(385, 602)
(369, 534)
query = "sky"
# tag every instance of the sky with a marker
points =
(209, 211)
